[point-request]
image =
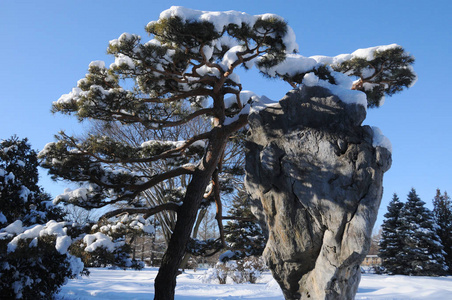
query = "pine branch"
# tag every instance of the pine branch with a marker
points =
(147, 211)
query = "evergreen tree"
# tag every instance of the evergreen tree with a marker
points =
(21, 198)
(442, 211)
(243, 233)
(33, 243)
(422, 250)
(391, 244)
(187, 71)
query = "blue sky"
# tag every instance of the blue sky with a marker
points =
(46, 46)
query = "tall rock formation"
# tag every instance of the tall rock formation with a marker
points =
(313, 171)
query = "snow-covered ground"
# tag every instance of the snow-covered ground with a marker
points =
(119, 284)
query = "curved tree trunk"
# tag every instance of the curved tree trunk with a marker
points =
(194, 234)
(165, 282)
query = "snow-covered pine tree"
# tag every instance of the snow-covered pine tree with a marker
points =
(186, 71)
(33, 240)
(442, 212)
(21, 196)
(391, 244)
(422, 249)
(243, 233)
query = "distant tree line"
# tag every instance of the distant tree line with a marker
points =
(414, 239)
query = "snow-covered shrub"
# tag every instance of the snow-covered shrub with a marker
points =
(217, 274)
(248, 269)
(104, 256)
(34, 262)
(252, 268)
(108, 242)
(244, 270)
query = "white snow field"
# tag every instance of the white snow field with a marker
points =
(124, 285)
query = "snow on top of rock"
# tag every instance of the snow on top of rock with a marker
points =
(379, 140)
(251, 102)
(341, 90)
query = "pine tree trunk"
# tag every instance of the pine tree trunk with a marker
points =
(165, 282)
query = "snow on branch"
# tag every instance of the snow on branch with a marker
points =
(16, 229)
(147, 211)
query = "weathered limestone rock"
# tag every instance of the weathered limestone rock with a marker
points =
(314, 173)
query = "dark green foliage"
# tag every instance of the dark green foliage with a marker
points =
(102, 257)
(40, 270)
(324, 72)
(117, 252)
(35, 269)
(389, 72)
(87, 163)
(20, 196)
(422, 253)
(203, 248)
(391, 244)
(183, 34)
(244, 235)
(442, 212)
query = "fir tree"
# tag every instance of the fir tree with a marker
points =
(422, 250)
(442, 211)
(391, 244)
(243, 233)
(187, 71)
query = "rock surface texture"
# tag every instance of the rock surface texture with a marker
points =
(313, 172)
